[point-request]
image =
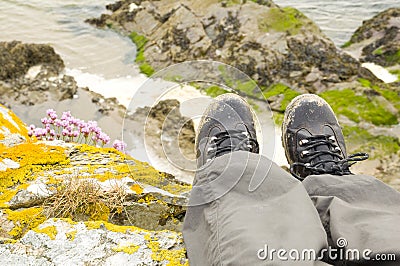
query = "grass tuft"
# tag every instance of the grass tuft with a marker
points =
(84, 199)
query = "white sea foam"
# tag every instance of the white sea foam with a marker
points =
(122, 88)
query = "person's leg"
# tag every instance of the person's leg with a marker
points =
(229, 224)
(359, 212)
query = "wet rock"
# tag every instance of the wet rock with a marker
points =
(31, 74)
(379, 38)
(17, 58)
(269, 43)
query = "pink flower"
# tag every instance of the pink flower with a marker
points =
(119, 145)
(52, 114)
(58, 122)
(66, 115)
(45, 121)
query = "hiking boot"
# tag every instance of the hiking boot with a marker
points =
(313, 140)
(227, 126)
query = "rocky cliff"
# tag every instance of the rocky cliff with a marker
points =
(82, 205)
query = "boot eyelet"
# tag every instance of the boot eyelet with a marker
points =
(304, 153)
(303, 141)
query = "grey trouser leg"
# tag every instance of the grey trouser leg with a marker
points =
(237, 223)
(361, 209)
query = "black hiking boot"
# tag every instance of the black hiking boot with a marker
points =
(227, 125)
(313, 140)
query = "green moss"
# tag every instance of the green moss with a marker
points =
(396, 72)
(278, 118)
(146, 69)
(285, 19)
(140, 42)
(358, 107)
(214, 91)
(360, 140)
(392, 94)
(365, 83)
(276, 89)
(378, 51)
(347, 44)
(393, 58)
(248, 87)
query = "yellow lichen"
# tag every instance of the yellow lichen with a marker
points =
(71, 235)
(112, 227)
(84, 148)
(137, 189)
(16, 126)
(24, 220)
(173, 256)
(33, 159)
(97, 211)
(129, 248)
(7, 240)
(51, 231)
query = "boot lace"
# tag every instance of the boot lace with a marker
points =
(316, 165)
(230, 141)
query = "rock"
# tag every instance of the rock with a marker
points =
(379, 38)
(62, 241)
(17, 58)
(269, 43)
(31, 74)
(12, 131)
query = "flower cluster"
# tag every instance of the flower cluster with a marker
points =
(71, 129)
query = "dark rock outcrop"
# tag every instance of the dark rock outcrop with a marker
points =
(32, 74)
(379, 38)
(269, 43)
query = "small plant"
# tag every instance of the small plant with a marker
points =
(71, 129)
(82, 199)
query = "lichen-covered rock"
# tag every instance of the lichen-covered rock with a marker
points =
(124, 205)
(379, 38)
(12, 131)
(62, 241)
(269, 43)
